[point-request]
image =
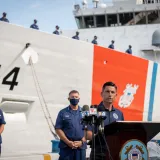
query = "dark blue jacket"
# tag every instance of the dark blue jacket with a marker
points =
(4, 19)
(56, 32)
(76, 37)
(129, 51)
(112, 116)
(94, 42)
(34, 26)
(111, 46)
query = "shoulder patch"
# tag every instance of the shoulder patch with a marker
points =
(115, 115)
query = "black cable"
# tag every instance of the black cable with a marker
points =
(93, 139)
(109, 152)
(100, 144)
(86, 135)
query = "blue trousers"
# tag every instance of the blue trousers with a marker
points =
(72, 154)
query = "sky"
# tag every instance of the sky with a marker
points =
(49, 13)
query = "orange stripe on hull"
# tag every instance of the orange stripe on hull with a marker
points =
(122, 69)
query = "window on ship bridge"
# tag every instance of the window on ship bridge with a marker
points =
(89, 22)
(112, 20)
(124, 18)
(79, 22)
(100, 21)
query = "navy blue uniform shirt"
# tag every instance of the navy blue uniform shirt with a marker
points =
(111, 46)
(112, 116)
(2, 121)
(94, 41)
(129, 51)
(56, 32)
(69, 121)
(34, 26)
(75, 37)
(4, 19)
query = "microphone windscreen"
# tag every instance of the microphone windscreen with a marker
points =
(85, 108)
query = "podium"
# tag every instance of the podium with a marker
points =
(121, 137)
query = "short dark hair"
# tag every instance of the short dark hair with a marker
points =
(4, 13)
(73, 91)
(109, 84)
(57, 26)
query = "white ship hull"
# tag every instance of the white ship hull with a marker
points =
(63, 64)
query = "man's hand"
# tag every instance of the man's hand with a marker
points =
(84, 139)
(71, 144)
(78, 143)
(65, 139)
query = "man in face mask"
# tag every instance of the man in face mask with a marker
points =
(70, 130)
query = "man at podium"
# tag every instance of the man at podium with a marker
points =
(108, 94)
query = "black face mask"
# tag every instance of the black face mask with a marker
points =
(74, 102)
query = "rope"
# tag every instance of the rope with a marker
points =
(37, 85)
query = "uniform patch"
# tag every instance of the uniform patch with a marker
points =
(115, 115)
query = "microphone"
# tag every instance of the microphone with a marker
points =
(85, 112)
(101, 117)
(93, 114)
(93, 111)
(85, 108)
(85, 116)
(89, 114)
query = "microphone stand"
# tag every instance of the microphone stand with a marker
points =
(103, 136)
(86, 129)
(93, 137)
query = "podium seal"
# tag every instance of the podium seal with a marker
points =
(134, 150)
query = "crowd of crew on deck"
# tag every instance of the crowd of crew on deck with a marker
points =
(76, 36)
